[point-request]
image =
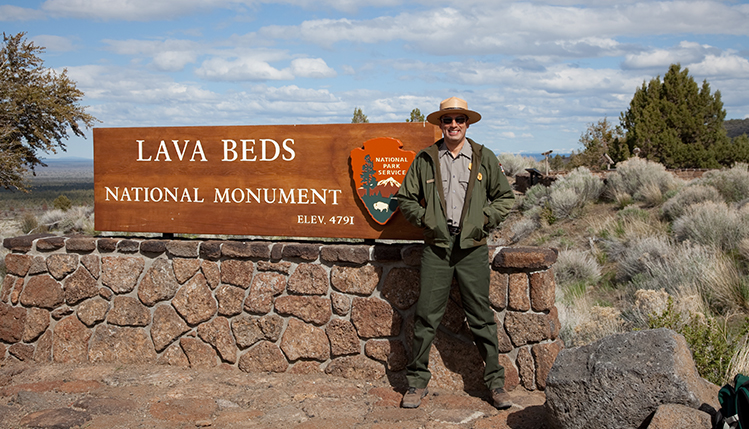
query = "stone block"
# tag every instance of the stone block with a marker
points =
(392, 352)
(121, 273)
(70, 341)
(80, 286)
(247, 331)
(356, 280)
(60, 265)
(211, 272)
(526, 368)
(92, 264)
(81, 244)
(524, 258)
(121, 345)
(153, 247)
(195, 302)
(174, 356)
(42, 291)
(311, 309)
(210, 250)
(159, 283)
(185, 268)
(543, 290)
(230, 299)
(234, 249)
(237, 273)
(182, 249)
(518, 298)
(107, 245)
(199, 354)
(50, 244)
(17, 265)
(387, 253)
(308, 279)
(342, 337)
(374, 317)
(93, 311)
(12, 323)
(307, 252)
(39, 265)
(264, 287)
(402, 287)
(544, 356)
(166, 327)
(264, 357)
(37, 322)
(22, 352)
(341, 303)
(282, 267)
(498, 286)
(217, 333)
(355, 254)
(668, 416)
(128, 311)
(620, 380)
(23, 243)
(303, 341)
(128, 246)
(525, 328)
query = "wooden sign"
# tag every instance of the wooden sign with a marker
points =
(290, 180)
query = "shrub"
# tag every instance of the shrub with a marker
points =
(574, 266)
(732, 184)
(638, 177)
(62, 203)
(29, 223)
(600, 322)
(713, 224)
(687, 196)
(712, 344)
(523, 228)
(514, 164)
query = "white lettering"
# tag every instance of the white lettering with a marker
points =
(140, 151)
(227, 149)
(163, 150)
(289, 150)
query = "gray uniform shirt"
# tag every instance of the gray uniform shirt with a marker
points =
(455, 173)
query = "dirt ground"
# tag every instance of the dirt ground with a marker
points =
(107, 396)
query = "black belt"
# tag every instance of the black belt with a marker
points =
(454, 230)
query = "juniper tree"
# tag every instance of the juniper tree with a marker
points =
(676, 122)
(38, 108)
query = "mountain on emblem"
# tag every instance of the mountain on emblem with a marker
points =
(378, 169)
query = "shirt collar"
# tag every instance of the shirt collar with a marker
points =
(464, 151)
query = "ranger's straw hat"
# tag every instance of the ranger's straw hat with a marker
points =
(450, 106)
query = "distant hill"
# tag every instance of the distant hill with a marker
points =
(736, 127)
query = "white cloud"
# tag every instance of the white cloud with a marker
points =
(15, 13)
(54, 43)
(241, 69)
(312, 68)
(660, 58)
(167, 55)
(131, 10)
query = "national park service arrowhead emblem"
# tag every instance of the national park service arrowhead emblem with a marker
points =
(378, 169)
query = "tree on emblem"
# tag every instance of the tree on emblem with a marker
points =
(368, 179)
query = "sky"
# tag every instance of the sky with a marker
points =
(538, 72)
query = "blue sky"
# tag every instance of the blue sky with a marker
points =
(539, 72)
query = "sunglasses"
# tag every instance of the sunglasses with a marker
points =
(448, 120)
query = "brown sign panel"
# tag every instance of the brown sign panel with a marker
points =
(290, 180)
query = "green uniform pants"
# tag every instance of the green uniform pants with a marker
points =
(471, 268)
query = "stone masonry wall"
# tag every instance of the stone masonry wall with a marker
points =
(346, 310)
